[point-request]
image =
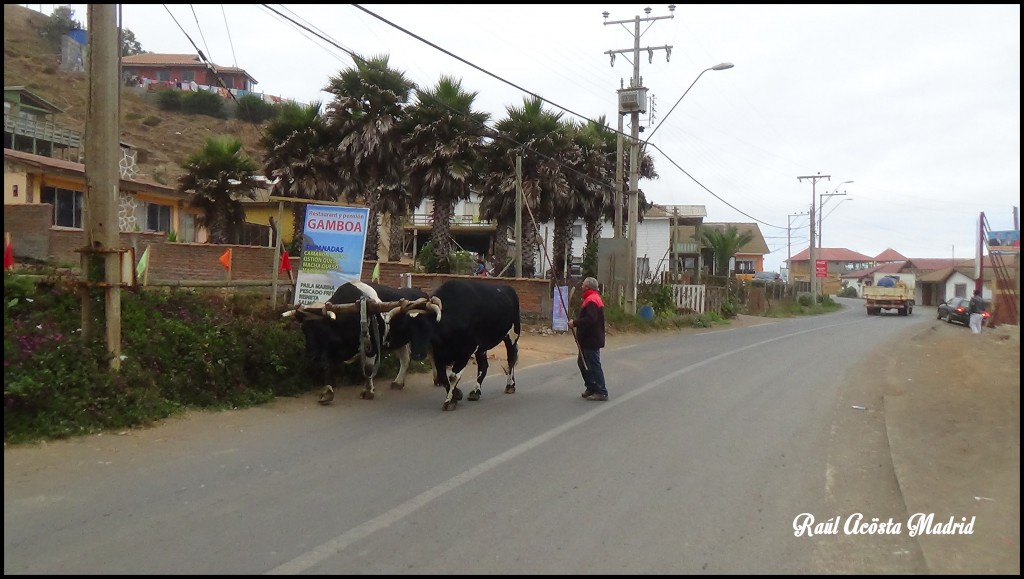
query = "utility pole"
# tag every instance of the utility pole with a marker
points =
(813, 255)
(101, 256)
(789, 245)
(633, 100)
(821, 206)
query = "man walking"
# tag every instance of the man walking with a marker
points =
(975, 308)
(589, 325)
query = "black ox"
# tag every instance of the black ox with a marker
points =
(365, 332)
(477, 316)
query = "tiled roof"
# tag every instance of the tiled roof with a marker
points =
(834, 254)
(934, 263)
(937, 276)
(150, 59)
(890, 254)
(160, 59)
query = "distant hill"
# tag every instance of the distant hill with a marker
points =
(30, 62)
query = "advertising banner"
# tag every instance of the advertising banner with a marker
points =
(333, 240)
(1004, 241)
(559, 301)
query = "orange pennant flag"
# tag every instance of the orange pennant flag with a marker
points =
(225, 259)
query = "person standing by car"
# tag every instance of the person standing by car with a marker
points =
(976, 308)
(589, 324)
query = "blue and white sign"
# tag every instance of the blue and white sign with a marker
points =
(559, 301)
(333, 240)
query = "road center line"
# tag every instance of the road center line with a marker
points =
(338, 544)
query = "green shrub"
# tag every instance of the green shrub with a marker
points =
(847, 292)
(253, 109)
(180, 349)
(729, 309)
(169, 100)
(202, 103)
(658, 296)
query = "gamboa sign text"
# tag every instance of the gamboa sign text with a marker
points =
(333, 240)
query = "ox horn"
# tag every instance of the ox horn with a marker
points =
(404, 305)
(435, 304)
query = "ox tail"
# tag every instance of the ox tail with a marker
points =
(513, 346)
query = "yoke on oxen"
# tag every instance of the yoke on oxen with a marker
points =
(373, 330)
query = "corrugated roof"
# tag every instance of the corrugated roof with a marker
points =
(33, 98)
(78, 170)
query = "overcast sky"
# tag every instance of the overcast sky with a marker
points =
(918, 105)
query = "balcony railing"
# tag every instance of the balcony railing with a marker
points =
(426, 220)
(43, 131)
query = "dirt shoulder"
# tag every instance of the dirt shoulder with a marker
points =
(539, 344)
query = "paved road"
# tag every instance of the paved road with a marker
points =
(712, 445)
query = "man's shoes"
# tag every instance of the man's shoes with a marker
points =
(587, 393)
(597, 397)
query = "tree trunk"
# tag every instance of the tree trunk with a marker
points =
(441, 236)
(501, 249)
(561, 248)
(372, 234)
(397, 238)
(529, 242)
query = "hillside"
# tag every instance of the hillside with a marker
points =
(30, 62)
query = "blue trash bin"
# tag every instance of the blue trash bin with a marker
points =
(647, 313)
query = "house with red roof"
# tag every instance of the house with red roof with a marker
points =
(839, 261)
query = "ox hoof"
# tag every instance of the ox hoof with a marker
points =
(449, 405)
(510, 389)
(397, 386)
(326, 397)
(366, 395)
(457, 395)
(474, 395)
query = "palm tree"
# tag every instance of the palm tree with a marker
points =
(535, 134)
(444, 146)
(586, 171)
(216, 179)
(601, 140)
(724, 243)
(297, 155)
(367, 111)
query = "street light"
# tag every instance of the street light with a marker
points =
(634, 177)
(821, 204)
(722, 66)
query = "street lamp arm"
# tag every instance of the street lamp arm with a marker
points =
(722, 66)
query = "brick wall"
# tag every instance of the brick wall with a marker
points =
(534, 294)
(33, 237)
(29, 226)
